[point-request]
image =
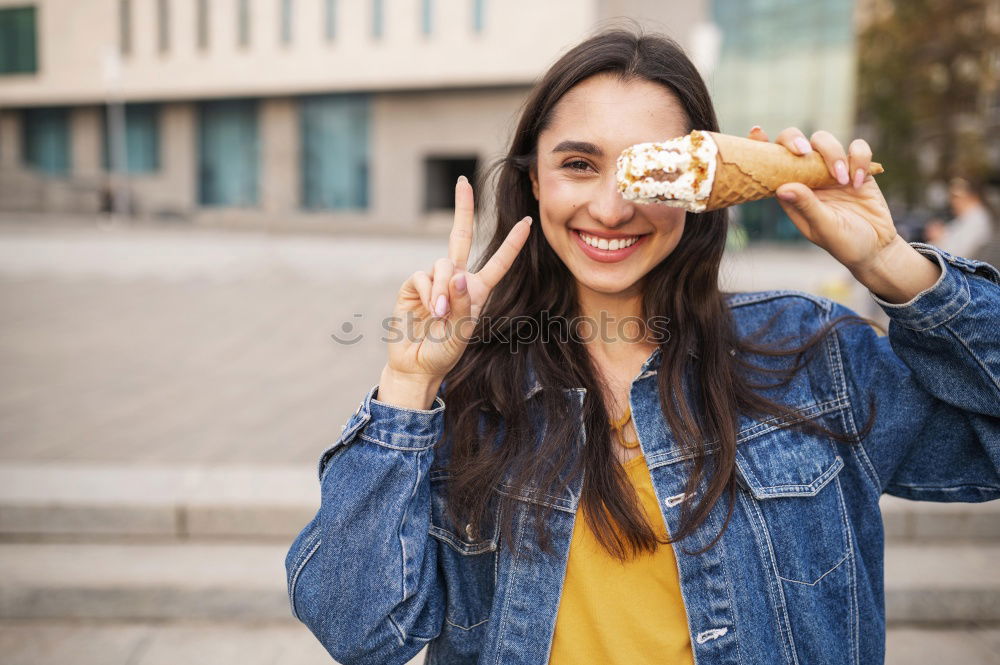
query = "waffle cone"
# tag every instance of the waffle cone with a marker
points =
(748, 170)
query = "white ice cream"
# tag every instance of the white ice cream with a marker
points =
(644, 171)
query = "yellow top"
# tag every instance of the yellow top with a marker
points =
(630, 613)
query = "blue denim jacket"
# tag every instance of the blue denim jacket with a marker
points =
(797, 576)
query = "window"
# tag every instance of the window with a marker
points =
(202, 26)
(18, 54)
(427, 18)
(243, 23)
(440, 174)
(478, 15)
(45, 137)
(331, 20)
(228, 149)
(377, 18)
(141, 133)
(125, 26)
(334, 140)
(286, 21)
(163, 25)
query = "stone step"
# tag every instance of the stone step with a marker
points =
(226, 643)
(103, 502)
(925, 584)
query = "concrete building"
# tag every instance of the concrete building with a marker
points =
(321, 114)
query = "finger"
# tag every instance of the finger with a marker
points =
(421, 282)
(793, 139)
(860, 158)
(808, 213)
(443, 269)
(758, 134)
(460, 240)
(503, 258)
(461, 307)
(833, 154)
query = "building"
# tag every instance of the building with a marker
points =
(784, 63)
(320, 114)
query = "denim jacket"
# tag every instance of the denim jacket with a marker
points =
(797, 576)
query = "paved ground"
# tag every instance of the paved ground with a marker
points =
(165, 345)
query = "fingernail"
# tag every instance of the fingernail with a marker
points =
(840, 168)
(441, 306)
(755, 128)
(859, 178)
(787, 195)
(803, 145)
(460, 283)
(462, 179)
(528, 218)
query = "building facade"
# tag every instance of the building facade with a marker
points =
(323, 114)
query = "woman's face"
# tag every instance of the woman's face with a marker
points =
(575, 183)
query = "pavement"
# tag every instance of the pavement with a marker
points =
(168, 391)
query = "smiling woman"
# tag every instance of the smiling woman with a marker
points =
(508, 493)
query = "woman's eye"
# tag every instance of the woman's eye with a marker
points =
(576, 165)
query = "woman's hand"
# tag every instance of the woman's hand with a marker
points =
(851, 221)
(436, 312)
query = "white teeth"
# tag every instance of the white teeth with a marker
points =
(604, 243)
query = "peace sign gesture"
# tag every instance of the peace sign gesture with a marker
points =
(435, 313)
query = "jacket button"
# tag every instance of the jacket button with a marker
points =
(468, 530)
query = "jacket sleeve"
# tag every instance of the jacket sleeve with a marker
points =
(935, 382)
(362, 575)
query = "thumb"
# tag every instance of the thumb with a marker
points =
(461, 306)
(803, 207)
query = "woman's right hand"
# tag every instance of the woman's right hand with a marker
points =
(435, 313)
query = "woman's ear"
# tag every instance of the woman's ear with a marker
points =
(533, 174)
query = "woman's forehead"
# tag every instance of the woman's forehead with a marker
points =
(605, 110)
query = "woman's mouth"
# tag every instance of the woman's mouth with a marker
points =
(607, 251)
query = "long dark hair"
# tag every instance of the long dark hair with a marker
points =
(487, 417)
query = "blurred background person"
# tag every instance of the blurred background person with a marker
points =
(970, 230)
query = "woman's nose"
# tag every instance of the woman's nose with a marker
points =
(608, 206)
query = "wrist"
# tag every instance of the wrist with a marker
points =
(410, 391)
(899, 273)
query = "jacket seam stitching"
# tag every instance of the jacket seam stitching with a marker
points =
(514, 576)
(371, 439)
(781, 608)
(874, 482)
(298, 569)
(979, 362)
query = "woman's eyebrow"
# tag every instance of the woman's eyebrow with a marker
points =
(579, 146)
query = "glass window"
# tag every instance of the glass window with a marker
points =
(163, 25)
(202, 27)
(377, 19)
(440, 174)
(142, 139)
(45, 137)
(478, 15)
(427, 17)
(243, 23)
(18, 41)
(125, 26)
(331, 19)
(334, 138)
(228, 149)
(286, 21)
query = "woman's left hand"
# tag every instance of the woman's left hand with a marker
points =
(851, 221)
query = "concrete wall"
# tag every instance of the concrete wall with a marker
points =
(519, 39)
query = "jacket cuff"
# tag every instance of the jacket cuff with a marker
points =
(390, 426)
(938, 303)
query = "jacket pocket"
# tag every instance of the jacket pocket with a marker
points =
(467, 561)
(791, 477)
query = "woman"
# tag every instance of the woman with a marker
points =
(577, 454)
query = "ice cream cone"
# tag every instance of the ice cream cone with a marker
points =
(748, 170)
